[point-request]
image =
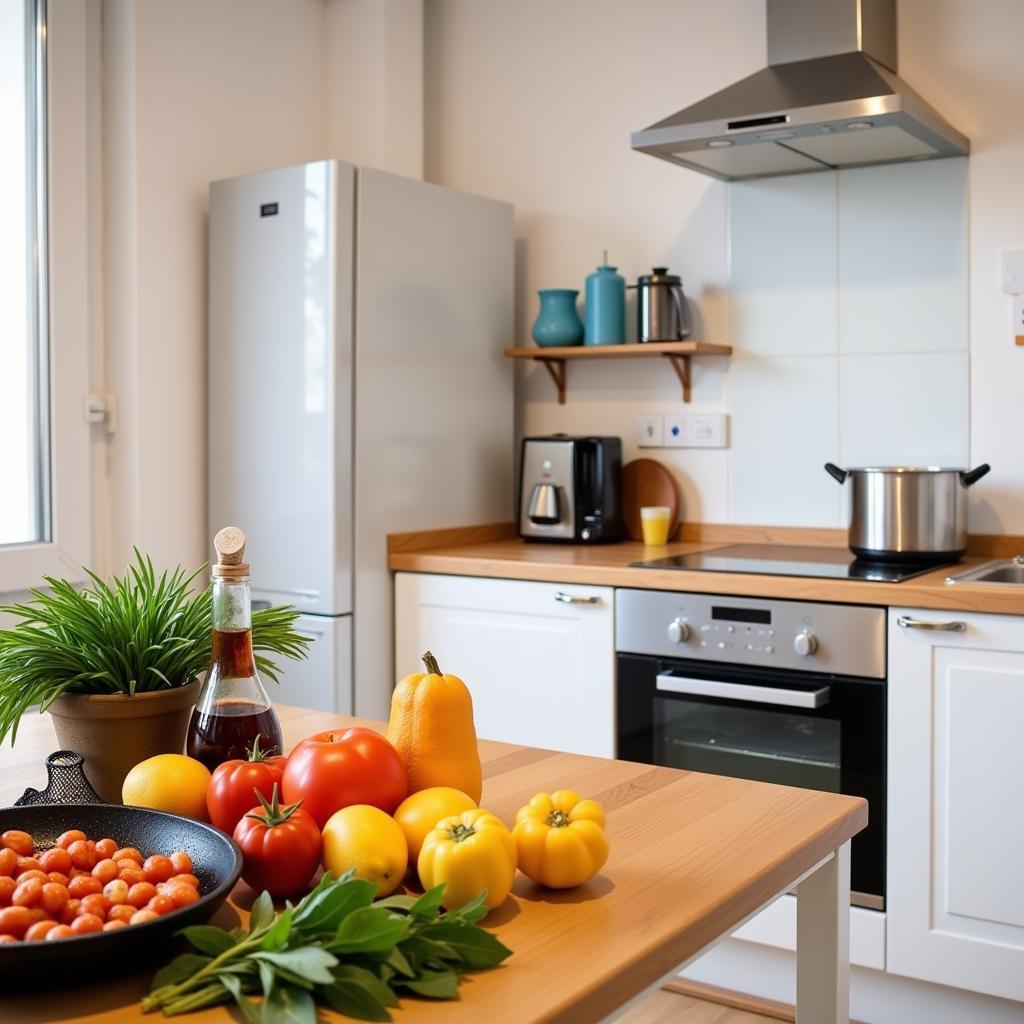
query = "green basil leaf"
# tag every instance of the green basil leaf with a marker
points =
(288, 1005)
(178, 970)
(266, 977)
(278, 932)
(355, 1000)
(208, 939)
(429, 904)
(369, 930)
(477, 949)
(262, 913)
(332, 904)
(430, 952)
(435, 984)
(250, 1011)
(397, 902)
(398, 962)
(471, 912)
(370, 981)
(308, 962)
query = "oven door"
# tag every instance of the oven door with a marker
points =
(793, 729)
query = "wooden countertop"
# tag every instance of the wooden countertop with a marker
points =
(691, 857)
(490, 551)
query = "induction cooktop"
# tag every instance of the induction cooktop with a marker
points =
(791, 560)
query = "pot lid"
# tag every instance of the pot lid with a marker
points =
(659, 275)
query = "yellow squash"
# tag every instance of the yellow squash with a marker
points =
(560, 840)
(431, 727)
(467, 854)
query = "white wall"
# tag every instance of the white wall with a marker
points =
(534, 102)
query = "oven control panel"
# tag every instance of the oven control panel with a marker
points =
(801, 635)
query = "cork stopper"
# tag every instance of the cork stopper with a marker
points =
(230, 546)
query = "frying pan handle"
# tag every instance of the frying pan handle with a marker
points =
(837, 474)
(972, 476)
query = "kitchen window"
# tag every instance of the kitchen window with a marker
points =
(45, 305)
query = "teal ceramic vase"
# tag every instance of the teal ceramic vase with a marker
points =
(605, 308)
(557, 323)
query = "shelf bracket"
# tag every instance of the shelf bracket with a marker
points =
(556, 368)
(681, 364)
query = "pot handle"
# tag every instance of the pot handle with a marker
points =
(972, 476)
(837, 474)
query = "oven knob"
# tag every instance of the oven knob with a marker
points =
(805, 643)
(678, 632)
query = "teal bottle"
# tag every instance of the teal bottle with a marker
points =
(605, 311)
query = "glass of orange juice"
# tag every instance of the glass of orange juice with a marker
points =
(654, 520)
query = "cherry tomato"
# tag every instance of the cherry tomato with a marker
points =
(161, 905)
(8, 862)
(232, 790)
(131, 875)
(332, 770)
(116, 891)
(83, 854)
(38, 931)
(141, 893)
(20, 842)
(181, 894)
(54, 898)
(28, 893)
(128, 852)
(57, 859)
(105, 849)
(157, 869)
(70, 911)
(14, 921)
(62, 931)
(85, 924)
(142, 916)
(97, 904)
(187, 879)
(122, 912)
(84, 885)
(7, 887)
(56, 876)
(41, 876)
(6, 940)
(182, 862)
(73, 835)
(26, 864)
(105, 870)
(281, 848)
(112, 926)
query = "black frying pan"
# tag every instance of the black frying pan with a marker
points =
(216, 862)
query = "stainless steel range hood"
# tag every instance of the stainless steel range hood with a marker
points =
(830, 97)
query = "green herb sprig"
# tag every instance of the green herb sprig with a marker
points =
(140, 632)
(336, 947)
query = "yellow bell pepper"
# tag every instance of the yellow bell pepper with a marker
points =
(560, 840)
(467, 853)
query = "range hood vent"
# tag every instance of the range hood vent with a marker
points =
(830, 97)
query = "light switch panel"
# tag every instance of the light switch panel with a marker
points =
(1013, 271)
(649, 432)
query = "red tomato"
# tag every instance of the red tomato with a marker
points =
(20, 842)
(332, 770)
(281, 849)
(57, 859)
(8, 862)
(232, 790)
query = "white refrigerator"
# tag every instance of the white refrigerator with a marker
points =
(356, 388)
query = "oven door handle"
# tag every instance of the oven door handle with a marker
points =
(669, 683)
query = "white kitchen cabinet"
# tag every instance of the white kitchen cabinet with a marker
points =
(955, 908)
(538, 658)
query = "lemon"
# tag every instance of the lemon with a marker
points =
(168, 782)
(419, 813)
(367, 839)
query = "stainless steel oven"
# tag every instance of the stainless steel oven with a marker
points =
(787, 692)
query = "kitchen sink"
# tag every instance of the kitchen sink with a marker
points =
(1006, 572)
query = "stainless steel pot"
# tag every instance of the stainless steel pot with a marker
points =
(663, 313)
(904, 514)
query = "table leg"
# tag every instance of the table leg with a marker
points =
(823, 943)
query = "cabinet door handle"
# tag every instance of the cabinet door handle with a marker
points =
(561, 595)
(952, 626)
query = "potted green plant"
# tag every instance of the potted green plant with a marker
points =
(118, 665)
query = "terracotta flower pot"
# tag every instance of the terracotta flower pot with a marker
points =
(114, 732)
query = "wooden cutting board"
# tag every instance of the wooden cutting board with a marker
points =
(647, 482)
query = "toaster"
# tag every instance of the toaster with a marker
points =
(570, 489)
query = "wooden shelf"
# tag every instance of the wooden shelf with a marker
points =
(678, 353)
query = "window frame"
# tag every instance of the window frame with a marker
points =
(65, 300)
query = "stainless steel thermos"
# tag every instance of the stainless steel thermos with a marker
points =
(662, 311)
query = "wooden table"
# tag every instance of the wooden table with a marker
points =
(692, 857)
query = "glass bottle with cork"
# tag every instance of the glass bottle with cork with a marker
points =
(233, 709)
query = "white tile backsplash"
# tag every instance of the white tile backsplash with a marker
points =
(903, 258)
(782, 266)
(904, 410)
(784, 429)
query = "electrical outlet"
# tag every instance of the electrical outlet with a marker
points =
(677, 431)
(649, 432)
(708, 431)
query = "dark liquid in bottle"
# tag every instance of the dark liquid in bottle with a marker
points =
(228, 729)
(231, 652)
